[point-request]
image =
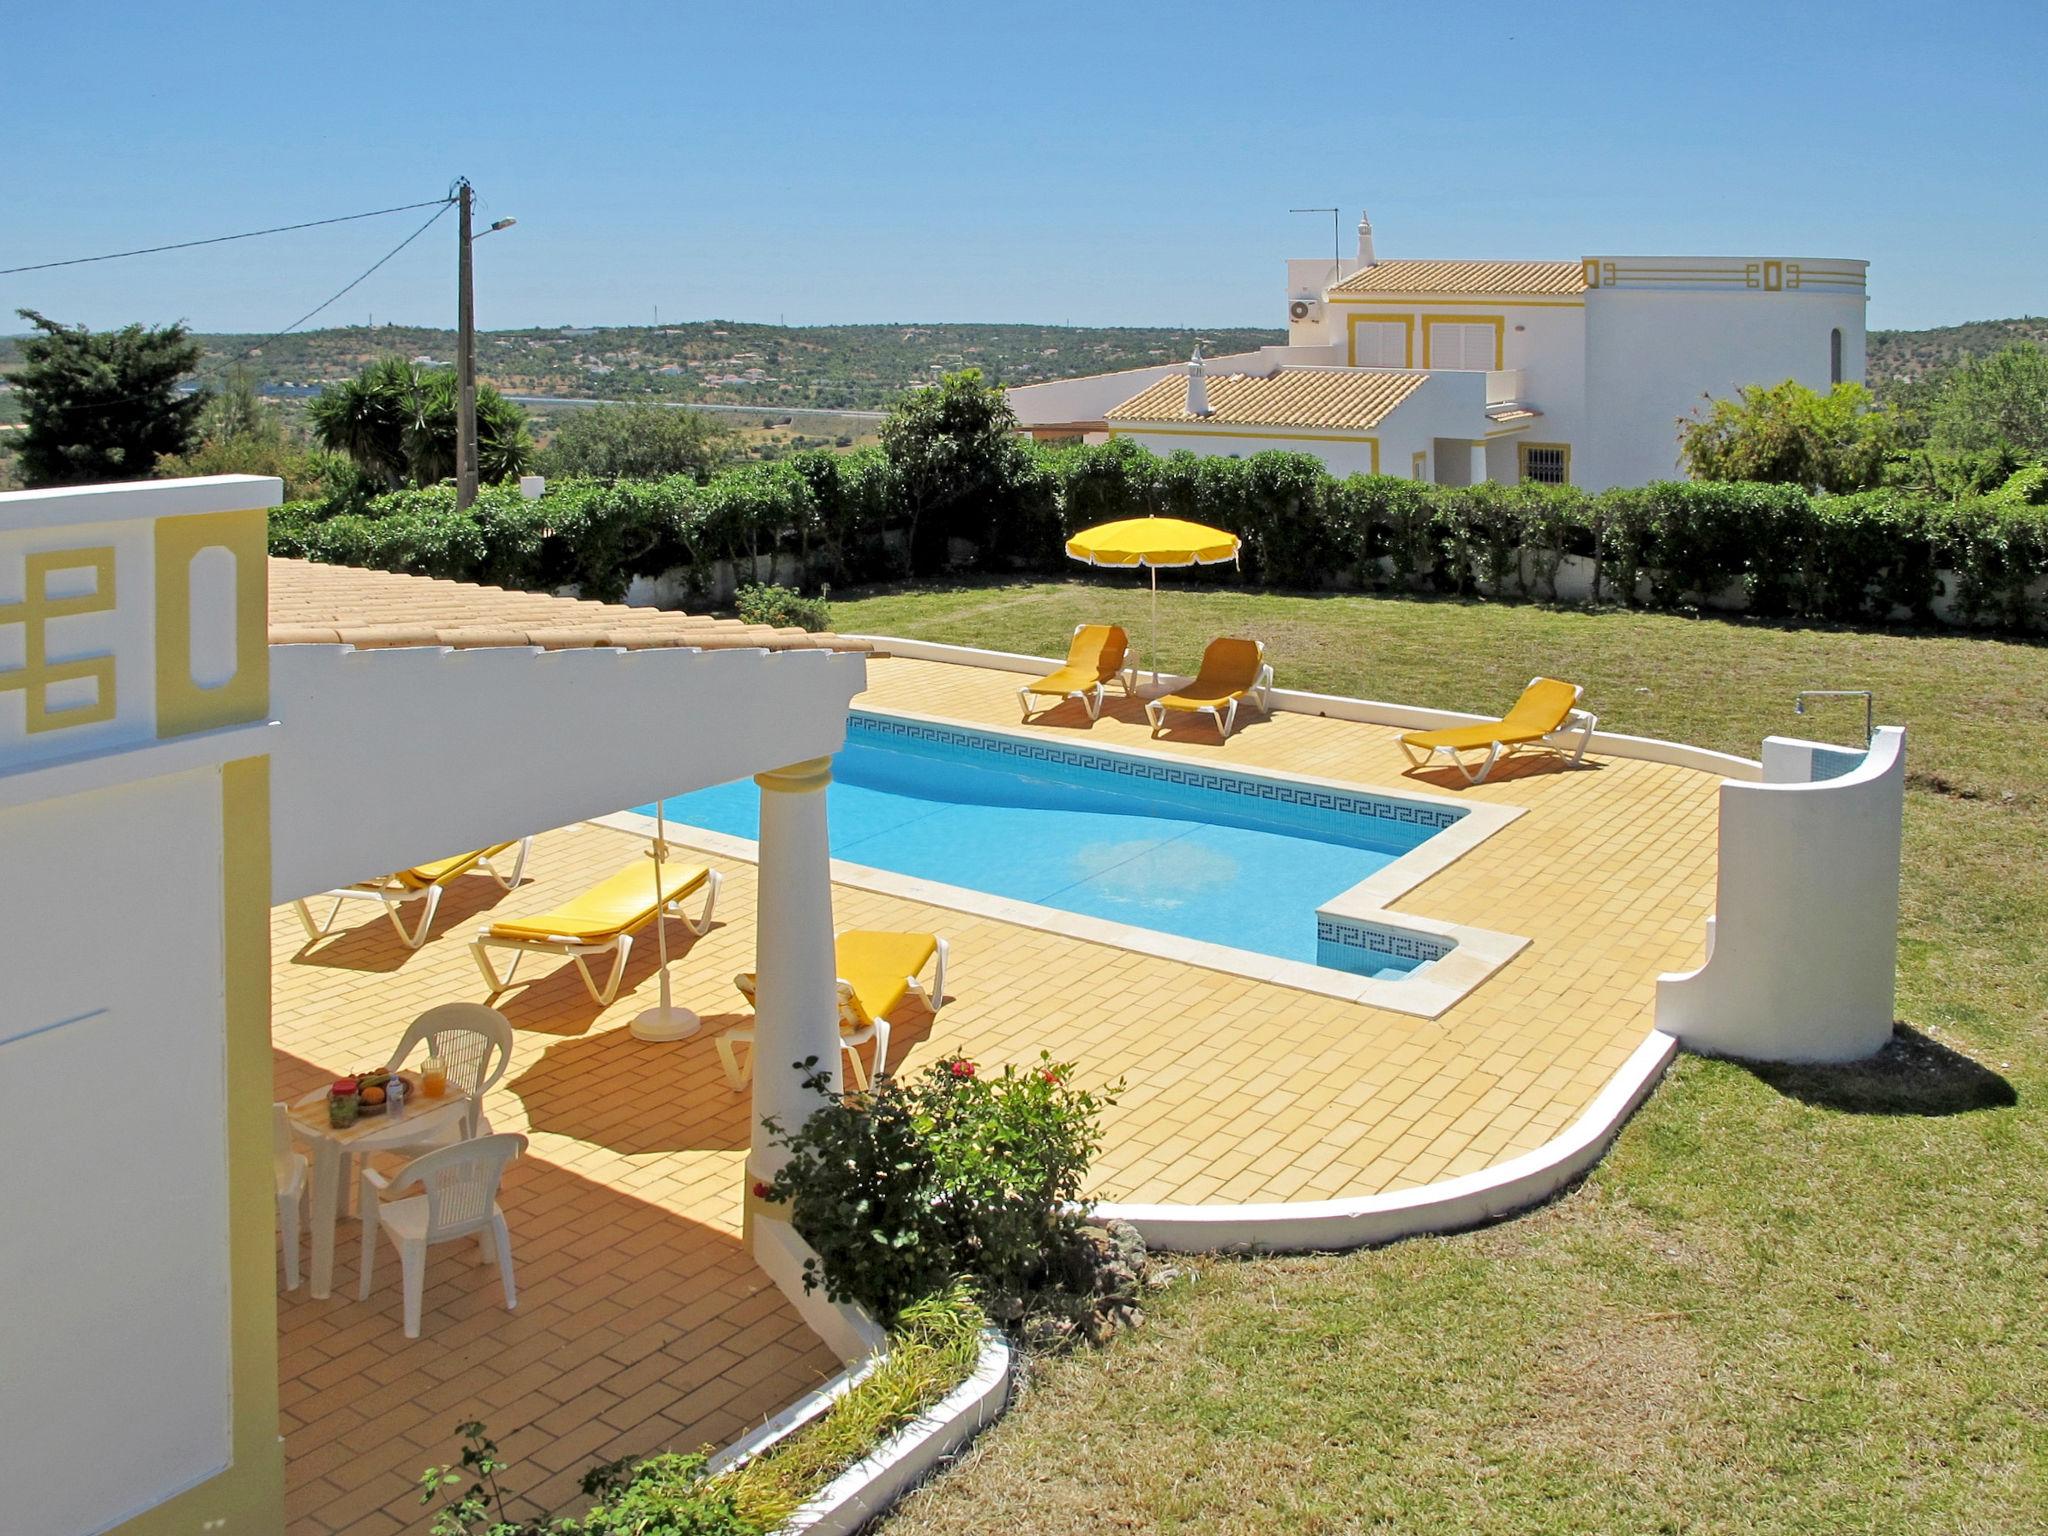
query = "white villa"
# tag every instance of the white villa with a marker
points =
(1559, 372)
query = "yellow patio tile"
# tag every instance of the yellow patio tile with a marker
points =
(625, 1212)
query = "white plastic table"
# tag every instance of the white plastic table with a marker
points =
(424, 1119)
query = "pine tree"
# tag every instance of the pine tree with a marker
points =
(103, 405)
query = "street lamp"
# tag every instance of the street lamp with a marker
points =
(465, 347)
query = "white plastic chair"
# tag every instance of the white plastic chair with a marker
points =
(289, 1166)
(459, 1198)
(474, 1043)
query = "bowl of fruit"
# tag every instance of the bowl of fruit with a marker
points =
(372, 1089)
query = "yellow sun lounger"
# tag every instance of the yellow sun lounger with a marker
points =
(423, 882)
(600, 921)
(1233, 672)
(1095, 657)
(1545, 709)
(877, 972)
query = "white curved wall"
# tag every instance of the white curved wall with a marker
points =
(1802, 952)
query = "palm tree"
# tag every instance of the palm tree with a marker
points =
(398, 421)
(367, 418)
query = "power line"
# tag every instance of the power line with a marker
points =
(309, 314)
(186, 245)
(201, 379)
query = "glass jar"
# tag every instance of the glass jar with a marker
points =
(344, 1103)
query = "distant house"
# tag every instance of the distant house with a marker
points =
(1558, 372)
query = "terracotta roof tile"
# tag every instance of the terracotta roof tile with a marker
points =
(1287, 397)
(338, 604)
(1483, 278)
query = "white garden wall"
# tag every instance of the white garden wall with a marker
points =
(1802, 950)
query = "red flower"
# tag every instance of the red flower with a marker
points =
(761, 1190)
(962, 1068)
(1051, 1074)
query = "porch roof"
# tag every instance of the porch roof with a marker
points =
(313, 604)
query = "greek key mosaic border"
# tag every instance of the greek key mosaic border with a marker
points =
(1374, 940)
(1243, 786)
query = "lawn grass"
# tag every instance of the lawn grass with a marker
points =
(1787, 1301)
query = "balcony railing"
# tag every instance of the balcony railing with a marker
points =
(1504, 386)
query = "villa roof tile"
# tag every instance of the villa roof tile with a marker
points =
(339, 605)
(1286, 397)
(1482, 278)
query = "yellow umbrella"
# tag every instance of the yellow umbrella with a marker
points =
(1153, 542)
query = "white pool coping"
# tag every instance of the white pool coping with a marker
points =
(1448, 1205)
(1477, 953)
(1407, 717)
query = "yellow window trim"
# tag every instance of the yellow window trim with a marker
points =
(1500, 332)
(1407, 322)
(1418, 464)
(247, 1497)
(1522, 459)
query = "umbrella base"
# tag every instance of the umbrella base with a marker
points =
(664, 1024)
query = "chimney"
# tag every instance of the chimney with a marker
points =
(1365, 255)
(1198, 384)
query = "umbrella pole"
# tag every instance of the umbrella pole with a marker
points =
(1155, 626)
(665, 1022)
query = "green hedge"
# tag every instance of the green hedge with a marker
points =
(1666, 545)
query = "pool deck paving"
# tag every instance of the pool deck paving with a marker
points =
(643, 1324)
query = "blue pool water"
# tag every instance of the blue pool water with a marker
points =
(1209, 854)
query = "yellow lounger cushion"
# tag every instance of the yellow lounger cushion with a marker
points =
(613, 906)
(874, 972)
(1544, 706)
(1096, 656)
(878, 967)
(1230, 670)
(1069, 679)
(420, 876)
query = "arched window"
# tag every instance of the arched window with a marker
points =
(1835, 355)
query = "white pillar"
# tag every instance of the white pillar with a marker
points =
(796, 994)
(1478, 472)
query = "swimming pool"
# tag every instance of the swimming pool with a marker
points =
(1210, 854)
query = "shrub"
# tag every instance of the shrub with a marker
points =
(1791, 434)
(933, 1346)
(844, 518)
(638, 442)
(952, 1172)
(782, 608)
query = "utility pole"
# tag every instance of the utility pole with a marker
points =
(465, 346)
(465, 356)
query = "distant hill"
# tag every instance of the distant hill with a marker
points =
(729, 362)
(1903, 356)
(854, 367)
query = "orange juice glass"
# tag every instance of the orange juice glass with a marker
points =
(433, 1077)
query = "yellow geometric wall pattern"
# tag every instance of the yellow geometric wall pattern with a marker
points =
(183, 704)
(38, 675)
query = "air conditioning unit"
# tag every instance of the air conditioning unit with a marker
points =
(1305, 310)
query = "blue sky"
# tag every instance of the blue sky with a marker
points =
(1101, 164)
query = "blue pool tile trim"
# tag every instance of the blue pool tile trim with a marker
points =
(1346, 944)
(1310, 803)
(1833, 763)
